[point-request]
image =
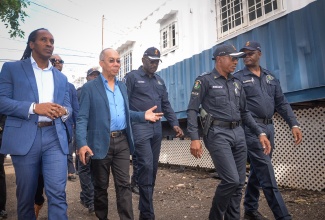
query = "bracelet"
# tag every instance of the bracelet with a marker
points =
(262, 134)
(296, 126)
(34, 107)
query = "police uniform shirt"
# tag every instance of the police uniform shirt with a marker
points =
(264, 95)
(145, 92)
(223, 98)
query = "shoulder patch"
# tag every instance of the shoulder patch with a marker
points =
(197, 85)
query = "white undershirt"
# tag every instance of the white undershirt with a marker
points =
(45, 86)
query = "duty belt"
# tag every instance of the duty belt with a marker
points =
(266, 121)
(226, 124)
(115, 134)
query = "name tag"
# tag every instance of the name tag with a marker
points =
(141, 82)
(217, 87)
(250, 80)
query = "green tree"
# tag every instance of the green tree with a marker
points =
(11, 13)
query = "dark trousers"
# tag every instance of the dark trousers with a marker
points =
(86, 183)
(227, 148)
(147, 139)
(39, 198)
(134, 177)
(262, 175)
(3, 189)
(72, 149)
(117, 159)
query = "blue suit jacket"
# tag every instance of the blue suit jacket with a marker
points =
(18, 90)
(93, 123)
(71, 121)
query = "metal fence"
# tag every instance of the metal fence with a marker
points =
(300, 166)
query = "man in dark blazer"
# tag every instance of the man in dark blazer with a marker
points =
(104, 131)
(85, 178)
(57, 62)
(35, 98)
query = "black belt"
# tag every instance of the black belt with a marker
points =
(226, 124)
(266, 121)
(115, 134)
(45, 124)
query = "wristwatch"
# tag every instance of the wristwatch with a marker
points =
(66, 110)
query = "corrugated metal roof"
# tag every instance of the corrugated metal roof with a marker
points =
(293, 50)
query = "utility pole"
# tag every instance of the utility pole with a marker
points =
(103, 32)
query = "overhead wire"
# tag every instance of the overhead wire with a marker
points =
(63, 48)
(46, 7)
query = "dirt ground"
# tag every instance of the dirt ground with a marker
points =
(180, 193)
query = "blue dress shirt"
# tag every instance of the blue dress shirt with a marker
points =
(116, 106)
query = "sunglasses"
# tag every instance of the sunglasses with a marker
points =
(56, 61)
(112, 60)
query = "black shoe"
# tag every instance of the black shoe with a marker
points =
(135, 189)
(215, 175)
(83, 204)
(91, 208)
(141, 217)
(254, 215)
(72, 177)
(3, 214)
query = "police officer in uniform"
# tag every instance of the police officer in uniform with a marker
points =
(221, 95)
(145, 88)
(264, 96)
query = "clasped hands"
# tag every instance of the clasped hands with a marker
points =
(50, 110)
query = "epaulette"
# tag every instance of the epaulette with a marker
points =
(236, 74)
(268, 72)
(131, 72)
(238, 71)
(205, 73)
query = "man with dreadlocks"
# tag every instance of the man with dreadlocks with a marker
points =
(35, 98)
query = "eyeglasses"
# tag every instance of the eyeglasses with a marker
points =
(56, 61)
(248, 54)
(112, 60)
